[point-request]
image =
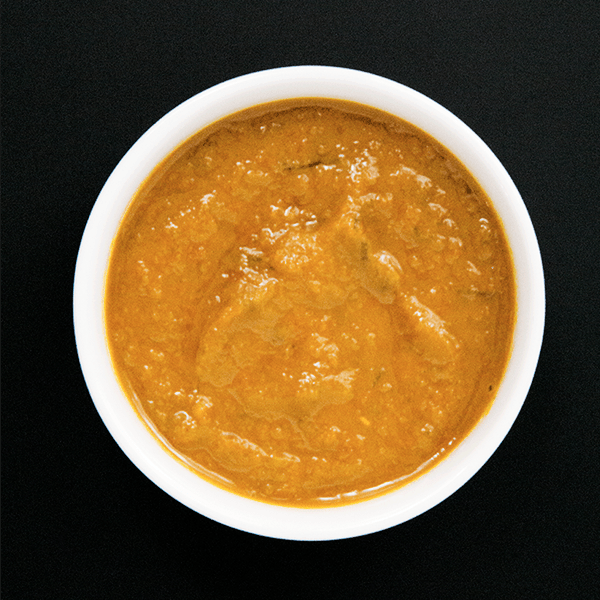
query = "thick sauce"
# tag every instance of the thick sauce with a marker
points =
(310, 302)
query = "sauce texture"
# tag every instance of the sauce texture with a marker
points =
(310, 302)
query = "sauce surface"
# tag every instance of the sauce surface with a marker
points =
(310, 302)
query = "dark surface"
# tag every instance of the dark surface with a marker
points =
(81, 81)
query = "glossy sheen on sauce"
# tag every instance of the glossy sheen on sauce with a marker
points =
(310, 303)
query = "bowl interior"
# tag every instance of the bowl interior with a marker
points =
(135, 438)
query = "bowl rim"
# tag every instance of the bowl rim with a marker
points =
(136, 439)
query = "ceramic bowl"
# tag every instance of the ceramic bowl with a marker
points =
(136, 440)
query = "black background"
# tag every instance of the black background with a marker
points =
(81, 81)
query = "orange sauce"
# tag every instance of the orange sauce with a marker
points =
(310, 302)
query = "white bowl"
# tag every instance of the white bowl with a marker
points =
(134, 437)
